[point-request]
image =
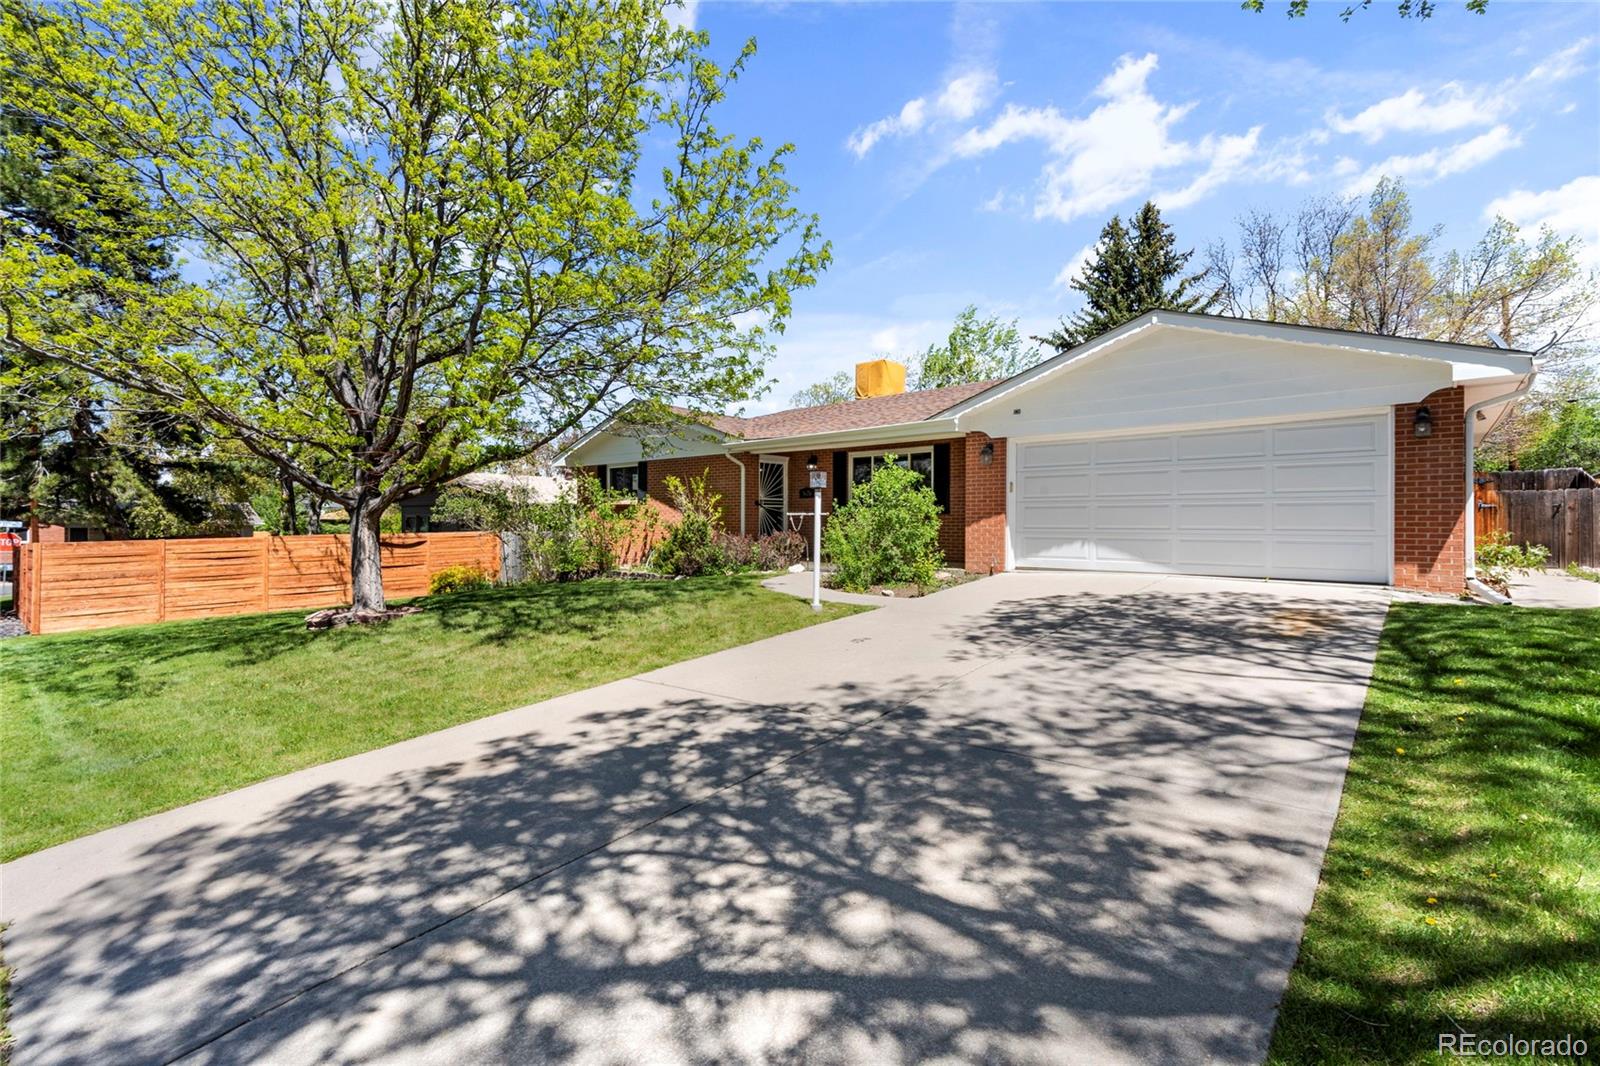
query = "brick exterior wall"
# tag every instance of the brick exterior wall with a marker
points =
(985, 506)
(723, 477)
(1429, 495)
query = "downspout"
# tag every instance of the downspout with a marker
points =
(1471, 416)
(743, 500)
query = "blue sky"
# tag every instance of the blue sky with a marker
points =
(970, 153)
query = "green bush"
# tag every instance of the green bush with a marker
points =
(888, 533)
(1498, 559)
(456, 578)
(694, 545)
(578, 534)
(776, 551)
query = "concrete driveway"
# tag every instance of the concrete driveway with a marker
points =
(1041, 817)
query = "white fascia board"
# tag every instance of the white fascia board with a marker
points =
(711, 442)
(1471, 359)
(932, 429)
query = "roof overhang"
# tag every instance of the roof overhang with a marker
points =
(930, 429)
(570, 456)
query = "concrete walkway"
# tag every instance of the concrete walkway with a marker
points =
(1554, 588)
(1034, 818)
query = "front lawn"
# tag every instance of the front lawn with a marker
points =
(99, 728)
(1461, 890)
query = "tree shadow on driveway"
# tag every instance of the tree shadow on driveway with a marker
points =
(869, 875)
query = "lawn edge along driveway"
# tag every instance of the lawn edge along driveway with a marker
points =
(1459, 893)
(107, 726)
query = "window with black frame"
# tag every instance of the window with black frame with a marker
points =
(918, 459)
(623, 479)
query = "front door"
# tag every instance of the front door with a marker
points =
(771, 497)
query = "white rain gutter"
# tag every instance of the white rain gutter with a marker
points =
(743, 499)
(1472, 485)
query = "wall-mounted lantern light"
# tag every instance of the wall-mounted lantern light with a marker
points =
(1422, 422)
(811, 463)
(986, 453)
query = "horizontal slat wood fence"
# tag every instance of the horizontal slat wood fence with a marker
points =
(63, 587)
(1538, 507)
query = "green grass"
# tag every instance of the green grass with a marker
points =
(1462, 884)
(103, 727)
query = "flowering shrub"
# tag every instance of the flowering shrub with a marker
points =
(456, 578)
(693, 544)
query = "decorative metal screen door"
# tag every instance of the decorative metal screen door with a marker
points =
(770, 500)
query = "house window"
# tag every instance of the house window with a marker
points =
(77, 534)
(623, 479)
(862, 464)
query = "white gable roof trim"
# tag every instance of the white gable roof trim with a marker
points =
(1468, 361)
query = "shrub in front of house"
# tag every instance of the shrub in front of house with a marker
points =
(888, 532)
(693, 545)
(578, 534)
(1498, 559)
(775, 551)
(457, 578)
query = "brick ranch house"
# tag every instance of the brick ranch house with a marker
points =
(1176, 443)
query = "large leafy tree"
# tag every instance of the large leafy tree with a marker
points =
(1134, 269)
(839, 388)
(427, 230)
(71, 449)
(977, 348)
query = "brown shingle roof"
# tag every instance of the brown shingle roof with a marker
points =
(852, 414)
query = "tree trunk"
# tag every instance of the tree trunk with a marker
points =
(313, 514)
(366, 566)
(286, 523)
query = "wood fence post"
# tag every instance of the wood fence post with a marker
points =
(161, 580)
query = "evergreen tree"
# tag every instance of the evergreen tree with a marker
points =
(1133, 271)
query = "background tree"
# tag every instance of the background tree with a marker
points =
(1132, 271)
(1408, 9)
(72, 450)
(1331, 264)
(976, 349)
(431, 242)
(837, 389)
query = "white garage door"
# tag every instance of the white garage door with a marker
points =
(1304, 500)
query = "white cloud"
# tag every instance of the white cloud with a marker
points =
(1451, 108)
(1567, 63)
(1569, 210)
(1074, 266)
(1435, 164)
(1116, 151)
(962, 97)
(682, 14)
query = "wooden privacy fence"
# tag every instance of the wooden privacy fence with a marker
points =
(1559, 509)
(62, 587)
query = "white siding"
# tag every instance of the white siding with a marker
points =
(1173, 377)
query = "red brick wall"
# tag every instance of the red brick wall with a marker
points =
(985, 508)
(723, 477)
(1429, 496)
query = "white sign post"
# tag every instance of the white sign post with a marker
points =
(819, 481)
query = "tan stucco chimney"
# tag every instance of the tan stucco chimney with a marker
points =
(880, 377)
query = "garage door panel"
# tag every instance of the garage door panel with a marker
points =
(1302, 500)
(1056, 517)
(1224, 480)
(1056, 547)
(1115, 547)
(1238, 556)
(1138, 482)
(1320, 516)
(1137, 517)
(1325, 556)
(1054, 486)
(1235, 444)
(1326, 438)
(1308, 479)
(1220, 515)
(1133, 450)
(1041, 455)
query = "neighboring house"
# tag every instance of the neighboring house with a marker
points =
(1176, 443)
(416, 513)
